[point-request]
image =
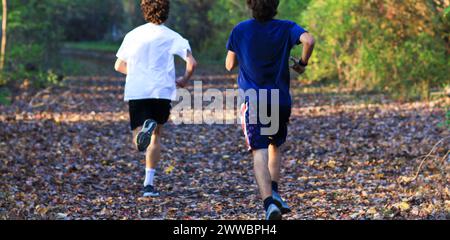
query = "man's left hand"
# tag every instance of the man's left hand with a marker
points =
(297, 67)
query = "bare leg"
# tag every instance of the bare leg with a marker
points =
(135, 134)
(153, 155)
(275, 172)
(275, 163)
(262, 172)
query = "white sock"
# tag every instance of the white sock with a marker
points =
(149, 176)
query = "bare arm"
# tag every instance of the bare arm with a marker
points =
(231, 61)
(121, 66)
(308, 46)
(191, 65)
(308, 42)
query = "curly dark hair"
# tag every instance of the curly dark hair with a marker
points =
(263, 10)
(155, 11)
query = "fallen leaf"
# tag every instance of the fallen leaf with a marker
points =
(169, 169)
(403, 206)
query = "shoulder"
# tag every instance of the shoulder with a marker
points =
(243, 25)
(171, 33)
(285, 23)
(135, 32)
(139, 29)
(292, 26)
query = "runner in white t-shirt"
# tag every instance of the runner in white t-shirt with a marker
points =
(147, 58)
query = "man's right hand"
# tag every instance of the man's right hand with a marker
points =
(191, 65)
(181, 82)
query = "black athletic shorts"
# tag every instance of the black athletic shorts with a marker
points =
(145, 109)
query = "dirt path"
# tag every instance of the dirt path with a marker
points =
(72, 159)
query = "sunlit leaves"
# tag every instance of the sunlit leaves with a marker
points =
(346, 160)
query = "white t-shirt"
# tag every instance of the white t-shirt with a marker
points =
(149, 53)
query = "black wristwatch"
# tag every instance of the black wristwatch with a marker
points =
(301, 63)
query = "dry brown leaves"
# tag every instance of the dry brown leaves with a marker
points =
(65, 160)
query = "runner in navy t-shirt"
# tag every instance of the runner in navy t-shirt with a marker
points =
(262, 47)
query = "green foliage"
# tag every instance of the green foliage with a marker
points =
(447, 119)
(87, 20)
(404, 55)
(34, 35)
(390, 46)
(49, 78)
(71, 67)
(102, 46)
(224, 15)
(5, 96)
(292, 9)
(332, 39)
(188, 18)
(447, 12)
(446, 122)
(34, 26)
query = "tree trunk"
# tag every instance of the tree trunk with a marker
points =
(4, 22)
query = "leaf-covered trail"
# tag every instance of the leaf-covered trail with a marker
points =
(70, 157)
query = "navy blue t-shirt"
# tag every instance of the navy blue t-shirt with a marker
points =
(263, 50)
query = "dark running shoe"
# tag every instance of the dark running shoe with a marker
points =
(281, 204)
(150, 191)
(273, 213)
(144, 137)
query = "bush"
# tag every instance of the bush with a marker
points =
(34, 37)
(87, 20)
(382, 45)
